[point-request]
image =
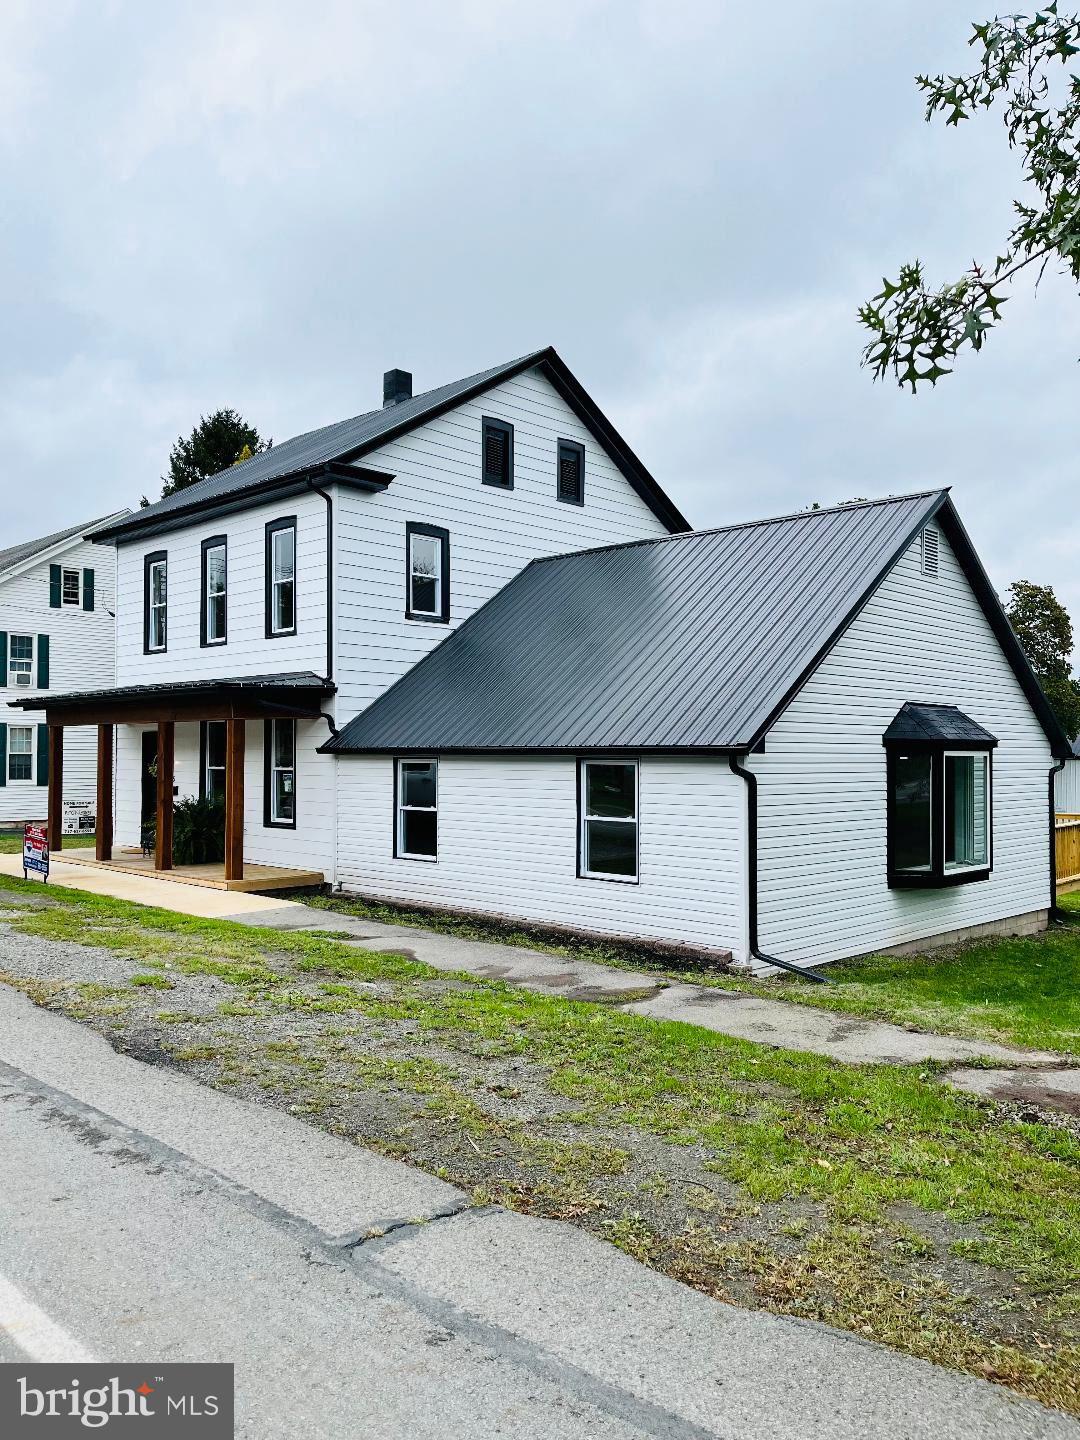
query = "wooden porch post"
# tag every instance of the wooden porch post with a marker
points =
(56, 787)
(234, 799)
(104, 843)
(163, 839)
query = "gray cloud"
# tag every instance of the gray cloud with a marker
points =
(266, 205)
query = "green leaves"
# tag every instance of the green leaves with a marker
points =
(913, 327)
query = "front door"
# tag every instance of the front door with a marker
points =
(149, 777)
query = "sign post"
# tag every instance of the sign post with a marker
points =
(35, 853)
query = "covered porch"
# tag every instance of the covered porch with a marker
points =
(212, 877)
(232, 702)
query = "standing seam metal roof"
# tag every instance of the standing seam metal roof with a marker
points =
(686, 642)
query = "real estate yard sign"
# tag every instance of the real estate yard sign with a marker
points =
(35, 851)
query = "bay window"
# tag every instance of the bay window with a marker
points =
(939, 788)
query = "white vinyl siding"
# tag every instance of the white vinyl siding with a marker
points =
(494, 532)
(247, 649)
(823, 886)
(1067, 789)
(508, 838)
(81, 657)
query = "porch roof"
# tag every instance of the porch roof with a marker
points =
(297, 693)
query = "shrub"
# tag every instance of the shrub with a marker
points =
(198, 831)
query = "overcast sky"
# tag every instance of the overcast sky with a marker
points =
(265, 206)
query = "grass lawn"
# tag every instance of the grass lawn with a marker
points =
(11, 842)
(871, 1197)
(1021, 992)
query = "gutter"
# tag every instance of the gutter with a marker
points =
(752, 880)
(316, 489)
(1054, 913)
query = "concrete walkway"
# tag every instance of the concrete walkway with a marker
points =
(1039, 1077)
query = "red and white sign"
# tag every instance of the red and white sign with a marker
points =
(35, 851)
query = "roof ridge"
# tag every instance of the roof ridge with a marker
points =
(745, 524)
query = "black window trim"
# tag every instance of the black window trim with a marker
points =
(283, 522)
(613, 759)
(269, 822)
(489, 422)
(215, 542)
(204, 755)
(579, 451)
(937, 877)
(434, 532)
(149, 560)
(398, 853)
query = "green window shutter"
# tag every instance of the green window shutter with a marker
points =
(3, 753)
(43, 754)
(54, 587)
(3, 659)
(88, 589)
(43, 662)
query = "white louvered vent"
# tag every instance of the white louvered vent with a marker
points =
(929, 551)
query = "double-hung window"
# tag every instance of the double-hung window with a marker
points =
(427, 577)
(498, 454)
(20, 660)
(608, 842)
(70, 592)
(281, 577)
(213, 773)
(940, 797)
(21, 752)
(214, 587)
(155, 601)
(280, 776)
(416, 824)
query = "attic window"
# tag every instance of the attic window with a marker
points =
(929, 551)
(571, 473)
(498, 454)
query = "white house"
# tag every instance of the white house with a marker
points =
(290, 590)
(57, 604)
(462, 651)
(1067, 783)
(800, 739)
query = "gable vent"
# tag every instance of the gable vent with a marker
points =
(929, 551)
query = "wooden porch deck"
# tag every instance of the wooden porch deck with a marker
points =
(211, 877)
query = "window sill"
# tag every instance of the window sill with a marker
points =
(609, 879)
(424, 859)
(937, 881)
(427, 619)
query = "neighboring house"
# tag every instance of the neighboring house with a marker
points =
(57, 632)
(804, 738)
(461, 652)
(1067, 783)
(258, 606)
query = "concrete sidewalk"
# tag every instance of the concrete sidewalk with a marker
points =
(1042, 1077)
(149, 1217)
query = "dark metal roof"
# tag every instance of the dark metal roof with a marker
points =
(693, 641)
(233, 684)
(347, 440)
(943, 723)
(16, 554)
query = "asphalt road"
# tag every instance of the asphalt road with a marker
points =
(144, 1217)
